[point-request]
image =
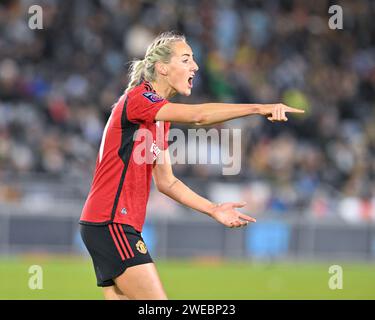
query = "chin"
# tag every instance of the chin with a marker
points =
(186, 93)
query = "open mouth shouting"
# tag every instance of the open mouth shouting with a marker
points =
(190, 82)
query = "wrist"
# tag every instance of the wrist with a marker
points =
(211, 209)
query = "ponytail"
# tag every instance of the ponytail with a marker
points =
(136, 74)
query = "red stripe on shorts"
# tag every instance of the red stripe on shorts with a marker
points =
(127, 242)
(116, 243)
(115, 226)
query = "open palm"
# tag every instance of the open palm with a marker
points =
(226, 214)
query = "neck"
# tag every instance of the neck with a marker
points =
(163, 89)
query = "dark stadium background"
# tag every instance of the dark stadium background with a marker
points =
(309, 182)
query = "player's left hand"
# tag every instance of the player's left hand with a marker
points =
(226, 214)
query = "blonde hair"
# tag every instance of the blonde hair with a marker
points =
(159, 50)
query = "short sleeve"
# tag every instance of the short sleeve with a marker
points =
(143, 106)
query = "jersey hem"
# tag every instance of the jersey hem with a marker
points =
(105, 223)
(91, 223)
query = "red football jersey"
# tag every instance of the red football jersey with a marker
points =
(130, 145)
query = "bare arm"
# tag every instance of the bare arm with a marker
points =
(168, 184)
(211, 113)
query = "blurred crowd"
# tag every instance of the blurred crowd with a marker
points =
(57, 85)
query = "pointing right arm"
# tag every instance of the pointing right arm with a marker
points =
(211, 113)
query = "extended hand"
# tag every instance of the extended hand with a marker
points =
(276, 112)
(228, 216)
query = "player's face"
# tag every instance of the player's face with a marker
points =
(181, 69)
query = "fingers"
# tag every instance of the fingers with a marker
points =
(235, 224)
(238, 224)
(233, 218)
(283, 117)
(295, 110)
(246, 218)
(279, 110)
(278, 113)
(242, 221)
(239, 204)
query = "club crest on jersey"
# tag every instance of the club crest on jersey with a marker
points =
(141, 247)
(153, 97)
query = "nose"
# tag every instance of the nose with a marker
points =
(195, 66)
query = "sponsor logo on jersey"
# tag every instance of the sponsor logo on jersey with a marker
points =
(141, 247)
(123, 211)
(153, 97)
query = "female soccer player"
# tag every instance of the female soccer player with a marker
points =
(114, 212)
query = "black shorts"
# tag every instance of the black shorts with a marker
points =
(113, 248)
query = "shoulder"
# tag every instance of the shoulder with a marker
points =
(137, 91)
(144, 93)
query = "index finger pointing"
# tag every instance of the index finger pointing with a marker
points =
(290, 109)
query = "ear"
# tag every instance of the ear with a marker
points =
(161, 68)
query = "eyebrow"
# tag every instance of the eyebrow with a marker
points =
(187, 54)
